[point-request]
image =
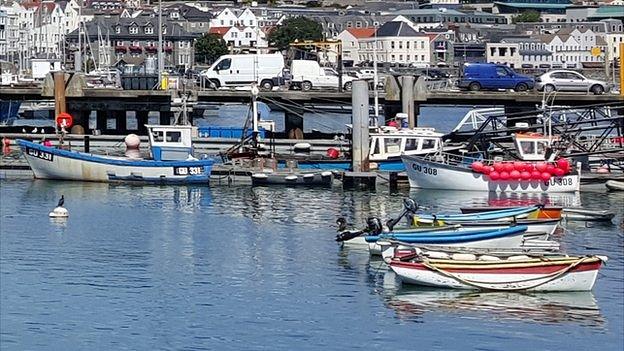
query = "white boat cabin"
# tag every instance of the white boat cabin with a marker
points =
(533, 146)
(389, 142)
(170, 143)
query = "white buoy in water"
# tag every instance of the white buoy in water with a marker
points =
(59, 212)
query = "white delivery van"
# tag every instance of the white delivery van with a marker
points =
(242, 70)
(308, 74)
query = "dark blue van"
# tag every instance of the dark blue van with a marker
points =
(479, 76)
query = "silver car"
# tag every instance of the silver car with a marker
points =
(562, 80)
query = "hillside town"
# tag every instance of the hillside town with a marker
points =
(522, 34)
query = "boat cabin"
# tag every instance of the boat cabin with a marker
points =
(533, 146)
(389, 142)
(170, 143)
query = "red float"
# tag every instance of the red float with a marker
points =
(541, 167)
(504, 175)
(487, 169)
(525, 175)
(536, 175)
(333, 153)
(515, 175)
(550, 168)
(508, 167)
(563, 163)
(477, 166)
(545, 176)
(494, 175)
(498, 167)
(519, 166)
(559, 172)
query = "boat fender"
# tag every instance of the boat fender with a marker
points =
(603, 258)
(438, 255)
(463, 257)
(308, 175)
(259, 176)
(488, 258)
(291, 178)
(518, 258)
(302, 147)
(326, 174)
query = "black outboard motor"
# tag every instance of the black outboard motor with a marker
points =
(409, 209)
(374, 226)
(342, 224)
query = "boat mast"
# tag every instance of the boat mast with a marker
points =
(254, 113)
(160, 46)
(375, 79)
(78, 58)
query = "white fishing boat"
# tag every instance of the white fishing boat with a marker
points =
(172, 161)
(535, 170)
(553, 272)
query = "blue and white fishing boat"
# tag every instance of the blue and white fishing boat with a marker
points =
(171, 161)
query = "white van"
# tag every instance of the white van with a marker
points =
(242, 70)
(308, 74)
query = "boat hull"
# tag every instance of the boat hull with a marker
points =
(435, 175)
(52, 163)
(514, 276)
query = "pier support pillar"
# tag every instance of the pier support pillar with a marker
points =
(407, 99)
(142, 117)
(293, 125)
(360, 110)
(60, 105)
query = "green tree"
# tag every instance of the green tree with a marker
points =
(527, 16)
(209, 48)
(295, 28)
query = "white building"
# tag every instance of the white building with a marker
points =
(572, 46)
(397, 43)
(229, 18)
(504, 53)
(350, 39)
(240, 37)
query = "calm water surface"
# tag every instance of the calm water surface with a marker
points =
(231, 268)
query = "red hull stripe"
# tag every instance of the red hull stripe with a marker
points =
(547, 269)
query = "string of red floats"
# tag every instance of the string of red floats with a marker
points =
(522, 171)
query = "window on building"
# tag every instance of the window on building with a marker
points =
(422, 58)
(150, 30)
(400, 44)
(392, 44)
(134, 30)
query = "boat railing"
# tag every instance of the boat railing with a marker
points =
(461, 160)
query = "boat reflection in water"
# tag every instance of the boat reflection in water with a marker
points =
(413, 303)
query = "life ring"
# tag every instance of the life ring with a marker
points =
(64, 120)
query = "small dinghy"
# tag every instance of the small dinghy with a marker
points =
(554, 272)
(567, 213)
(614, 185)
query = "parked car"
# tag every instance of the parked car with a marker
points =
(477, 76)
(562, 80)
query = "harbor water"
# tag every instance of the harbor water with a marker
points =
(257, 268)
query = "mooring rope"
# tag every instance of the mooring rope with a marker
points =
(481, 285)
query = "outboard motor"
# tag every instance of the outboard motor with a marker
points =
(342, 224)
(409, 209)
(374, 226)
